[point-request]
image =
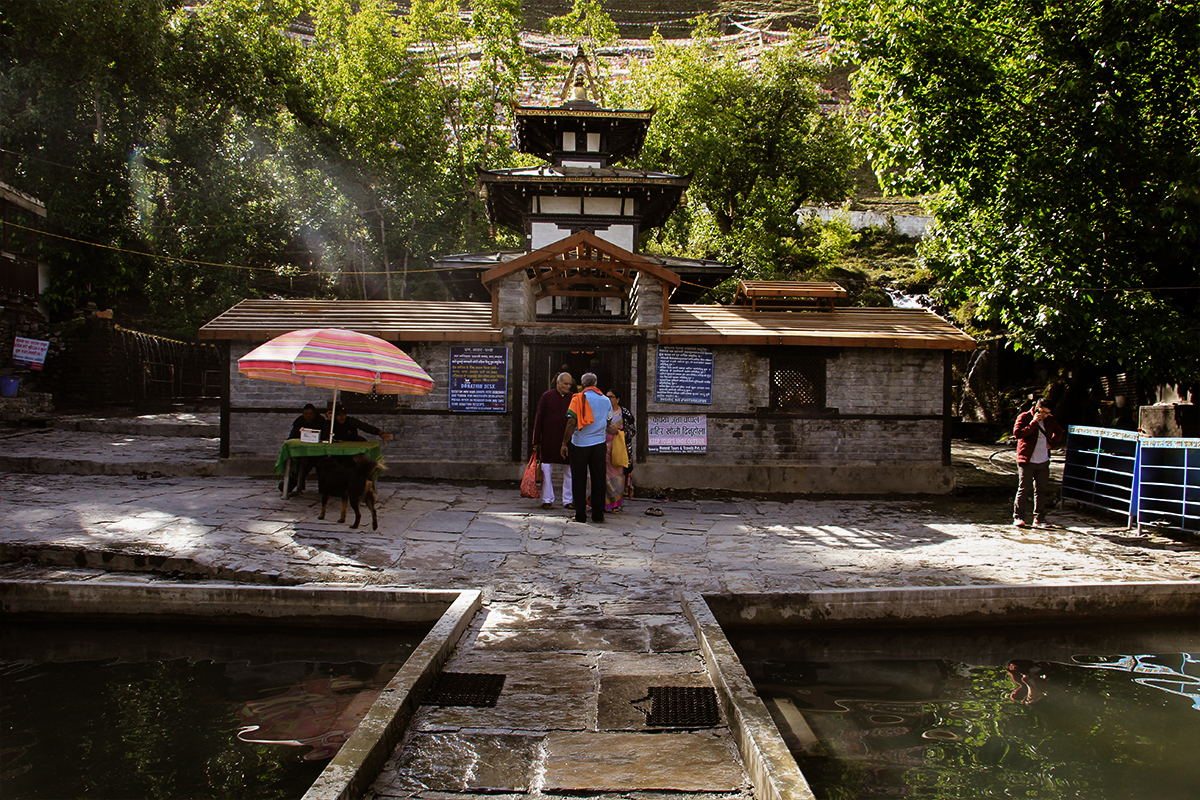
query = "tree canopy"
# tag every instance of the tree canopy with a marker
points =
(1060, 145)
(194, 155)
(755, 140)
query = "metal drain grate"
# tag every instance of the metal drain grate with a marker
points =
(683, 706)
(465, 689)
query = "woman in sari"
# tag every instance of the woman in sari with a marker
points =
(614, 476)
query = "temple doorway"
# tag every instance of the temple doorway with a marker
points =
(610, 363)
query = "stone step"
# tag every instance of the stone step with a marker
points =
(179, 424)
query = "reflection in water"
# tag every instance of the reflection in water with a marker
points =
(318, 713)
(1109, 727)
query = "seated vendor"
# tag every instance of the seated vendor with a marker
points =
(346, 428)
(309, 418)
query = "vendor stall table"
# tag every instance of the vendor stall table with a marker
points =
(294, 448)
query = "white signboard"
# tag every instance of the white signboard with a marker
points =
(678, 434)
(29, 352)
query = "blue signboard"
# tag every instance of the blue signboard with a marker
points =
(684, 375)
(479, 379)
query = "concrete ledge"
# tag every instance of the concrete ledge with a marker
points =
(319, 605)
(139, 426)
(769, 761)
(359, 761)
(770, 764)
(955, 605)
(397, 465)
(82, 556)
(40, 465)
(787, 479)
(696, 473)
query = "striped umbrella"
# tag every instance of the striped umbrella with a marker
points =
(336, 358)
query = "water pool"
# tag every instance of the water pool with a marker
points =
(235, 614)
(934, 688)
(1090, 711)
(111, 710)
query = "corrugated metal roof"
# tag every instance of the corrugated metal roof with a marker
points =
(393, 320)
(844, 327)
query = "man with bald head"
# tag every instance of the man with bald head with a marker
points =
(549, 423)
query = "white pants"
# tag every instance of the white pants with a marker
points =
(548, 483)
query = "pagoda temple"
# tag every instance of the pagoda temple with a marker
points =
(785, 390)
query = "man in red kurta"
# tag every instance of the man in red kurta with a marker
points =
(549, 425)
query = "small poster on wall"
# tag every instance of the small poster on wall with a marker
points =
(677, 434)
(29, 352)
(479, 379)
(684, 375)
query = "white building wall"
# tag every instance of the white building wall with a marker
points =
(620, 235)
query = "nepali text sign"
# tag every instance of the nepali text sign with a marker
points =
(29, 352)
(684, 375)
(479, 379)
(678, 434)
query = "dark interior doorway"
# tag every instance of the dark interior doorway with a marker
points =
(611, 364)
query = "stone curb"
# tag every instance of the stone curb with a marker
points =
(229, 468)
(113, 561)
(200, 430)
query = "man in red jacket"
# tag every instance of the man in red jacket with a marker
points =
(1037, 433)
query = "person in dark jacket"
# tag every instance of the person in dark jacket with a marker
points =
(346, 428)
(1037, 433)
(549, 422)
(309, 418)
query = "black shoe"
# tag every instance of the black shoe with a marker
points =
(577, 519)
(598, 519)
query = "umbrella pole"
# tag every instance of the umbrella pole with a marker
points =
(333, 411)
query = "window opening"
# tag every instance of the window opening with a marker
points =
(797, 380)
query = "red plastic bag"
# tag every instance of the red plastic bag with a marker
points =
(529, 479)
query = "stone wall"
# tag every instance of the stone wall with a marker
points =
(647, 297)
(424, 429)
(866, 390)
(881, 430)
(27, 405)
(876, 381)
(515, 303)
(821, 442)
(92, 362)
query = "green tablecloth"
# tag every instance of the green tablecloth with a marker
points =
(294, 448)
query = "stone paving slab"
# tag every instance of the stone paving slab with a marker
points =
(624, 700)
(616, 762)
(456, 762)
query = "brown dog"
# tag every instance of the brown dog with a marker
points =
(352, 478)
